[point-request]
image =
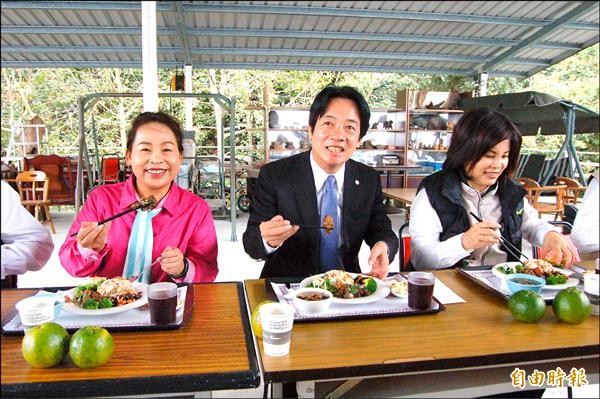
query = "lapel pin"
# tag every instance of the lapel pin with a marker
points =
(356, 182)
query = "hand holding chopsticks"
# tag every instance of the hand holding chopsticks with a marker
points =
(510, 248)
(144, 203)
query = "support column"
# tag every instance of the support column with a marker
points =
(149, 59)
(482, 80)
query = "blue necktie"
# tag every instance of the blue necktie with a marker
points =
(329, 239)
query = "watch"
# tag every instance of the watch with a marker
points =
(183, 273)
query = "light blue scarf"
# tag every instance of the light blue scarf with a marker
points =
(141, 242)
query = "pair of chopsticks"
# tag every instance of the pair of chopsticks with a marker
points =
(507, 245)
(144, 203)
(312, 226)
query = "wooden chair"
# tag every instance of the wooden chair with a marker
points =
(60, 173)
(533, 196)
(574, 189)
(33, 188)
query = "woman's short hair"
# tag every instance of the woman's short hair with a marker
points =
(159, 117)
(476, 133)
(321, 101)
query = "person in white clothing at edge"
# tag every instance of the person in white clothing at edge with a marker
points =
(26, 244)
(586, 227)
(476, 180)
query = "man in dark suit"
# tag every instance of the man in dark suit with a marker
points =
(290, 197)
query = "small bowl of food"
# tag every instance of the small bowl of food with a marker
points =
(312, 300)
(521, 281)
(399, 288)
(35, 310)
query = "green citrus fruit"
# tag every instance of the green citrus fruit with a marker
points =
(571, 306)
(527, 306)
(91, 346)
(255, 320)
(45, 345)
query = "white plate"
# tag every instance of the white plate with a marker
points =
(381, 292)
(73, 308)
(571, 282)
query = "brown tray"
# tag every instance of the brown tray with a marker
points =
(356, 313)
(188, 307)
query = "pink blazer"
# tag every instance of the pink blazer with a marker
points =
(184, 222)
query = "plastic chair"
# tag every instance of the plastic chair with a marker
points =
(404, 249)
(33, 188)
(110, 169)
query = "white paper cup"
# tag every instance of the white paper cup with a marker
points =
(591, 287)
(35, 310)
(277, 320)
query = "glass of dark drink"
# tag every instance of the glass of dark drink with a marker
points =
(420, 290)
(162, 300)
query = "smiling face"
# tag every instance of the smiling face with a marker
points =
(490, 166)
(336, 134)
(154, 159)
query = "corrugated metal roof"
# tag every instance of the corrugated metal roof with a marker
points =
(502, 38)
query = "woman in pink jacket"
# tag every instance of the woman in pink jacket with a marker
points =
(178, 233)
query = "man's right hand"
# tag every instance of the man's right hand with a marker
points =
(277, 230)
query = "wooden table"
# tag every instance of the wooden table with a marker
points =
(214, 351)
(478, 334)
(389, 169)
(403, 195)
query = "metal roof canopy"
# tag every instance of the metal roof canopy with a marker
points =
(532, 111)
(501, 38)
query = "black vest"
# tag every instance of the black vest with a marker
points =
(444, 192)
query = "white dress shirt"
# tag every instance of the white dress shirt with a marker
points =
(586, 227)
(26, 244)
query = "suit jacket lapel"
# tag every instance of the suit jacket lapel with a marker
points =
(306, 194)
(352, 200)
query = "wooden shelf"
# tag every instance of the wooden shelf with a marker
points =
(412, 130)
(425, 149)
(377, 149)
(427, 110)
(287, 129)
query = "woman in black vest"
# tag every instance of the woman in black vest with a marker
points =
(476, 179)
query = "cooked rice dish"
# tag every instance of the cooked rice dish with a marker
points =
(100, 292)
(342, 285)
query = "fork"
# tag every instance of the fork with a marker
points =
(133, 278)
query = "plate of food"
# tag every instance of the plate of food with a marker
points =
(556, 278)
(349, 288)
(102, 296)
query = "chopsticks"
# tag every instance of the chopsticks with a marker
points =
(312, 226)
(148, 203)
(507, 245)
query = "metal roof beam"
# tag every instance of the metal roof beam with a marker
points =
(264, 52)
(539, 35)
(370, 13)
(182, 31)
(283, 34)
(294, 10)
(81, 5)
(251, 65)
